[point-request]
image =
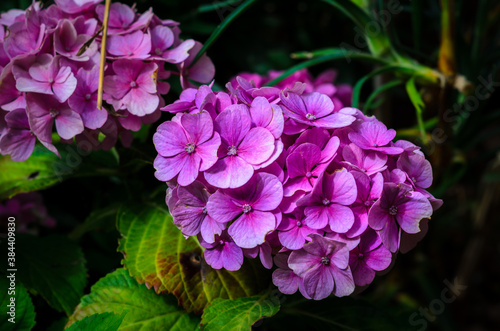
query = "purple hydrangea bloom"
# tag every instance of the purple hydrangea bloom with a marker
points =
(368, 257)
(328, 202)
(285, 279)
(185, 148)
(314, 109)
(191, 215)
(44, 111)
(133, 86)
(375, 136)
(324, 265)
(223, 253)
(242, 148)
(48, 77)
(250, 206)
(293, 233)
(399, 208)
(18, 140)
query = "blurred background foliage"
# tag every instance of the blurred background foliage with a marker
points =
(462, 241)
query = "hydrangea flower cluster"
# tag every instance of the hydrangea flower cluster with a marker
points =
(50, 62)
(296, 177)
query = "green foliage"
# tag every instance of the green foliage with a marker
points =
(419, 104)
(141, 308)
(239, 314)
(24, 318)
(98, 322)
(53, 267)
(157, 254)
(43, 169)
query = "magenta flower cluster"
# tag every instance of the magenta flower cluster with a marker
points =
(296, 177)
(50, 62)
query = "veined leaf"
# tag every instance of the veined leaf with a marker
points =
(43, 169)
(120, 294)
(98, 322)
(239, 314)
(22, 316)
(157, 254)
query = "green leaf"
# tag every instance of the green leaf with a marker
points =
(43, 169)
(220, 28)
(23, 316)
(143, 309)
(98, 322)
(53, 267)
(419, 104)
(378, 91)
(239, 314)
(359, 85)
(157, 254)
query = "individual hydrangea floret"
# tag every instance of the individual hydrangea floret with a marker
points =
(299, 179)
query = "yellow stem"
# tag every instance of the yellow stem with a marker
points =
(103, 53)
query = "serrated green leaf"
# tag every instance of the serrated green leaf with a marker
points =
(43, 169)
(53, 267)
(239, 314)
(23, 316)
(157, 254)
(119, 293)
(98, 322)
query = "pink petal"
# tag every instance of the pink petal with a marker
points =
(257, 146)
(250, 230)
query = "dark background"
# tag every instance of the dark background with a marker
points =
(463, 238)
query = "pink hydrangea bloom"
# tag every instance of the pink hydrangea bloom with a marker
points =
(299, 175)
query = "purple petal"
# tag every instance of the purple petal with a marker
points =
(221, 208)
(170, 139)
(168, 168)
(257, 146)
(318, 282)
(250, 230)
(229, 172)
(344, 283)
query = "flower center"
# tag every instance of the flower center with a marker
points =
(130, 53)
(361, 256)
(189, 148)
(158, 51)
(308, 174)
(232, 150)
(221, 242)
(326, 202)
(87, 96)
(413, 179)
(51, 80)
(368, 203)
(246, 208)
(133, 84)
(393, 210)
(299, 224)
(310, 116)
(325, 260)
(204, 210)
(54, 112)
(375, 145)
